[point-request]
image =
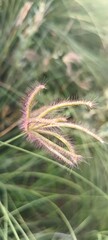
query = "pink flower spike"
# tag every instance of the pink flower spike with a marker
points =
(44, 126)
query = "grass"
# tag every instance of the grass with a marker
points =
(40, 198)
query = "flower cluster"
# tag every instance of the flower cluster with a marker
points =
(44, 126)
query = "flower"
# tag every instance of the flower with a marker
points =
(44, 126)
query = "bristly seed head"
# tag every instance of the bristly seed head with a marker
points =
(45, 130)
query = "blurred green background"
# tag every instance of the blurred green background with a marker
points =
(64, 44)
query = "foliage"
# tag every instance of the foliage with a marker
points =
(64, 44)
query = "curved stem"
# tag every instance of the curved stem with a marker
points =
(29, 103)
(65, 104)
(57, 150)
(78, 127)
(60, 138)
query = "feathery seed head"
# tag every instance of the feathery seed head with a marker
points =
(45, 130)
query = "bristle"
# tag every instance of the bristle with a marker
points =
(28, 102)
(47, 131)
(65, 104)
(60, 138)
(68, 154)
(78, 127)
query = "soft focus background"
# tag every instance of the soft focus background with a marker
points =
(64, 44)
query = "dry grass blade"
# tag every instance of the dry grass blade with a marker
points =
(23, 13)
